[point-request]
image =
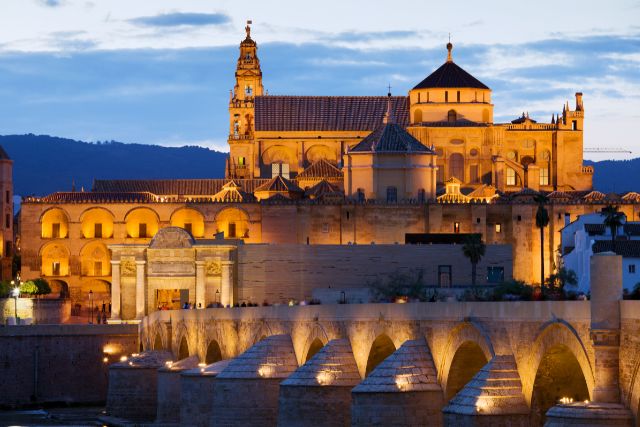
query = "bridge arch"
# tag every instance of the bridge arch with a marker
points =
(157, 342)
(183, 349)
(214, 353)
(316, 339)
(560, 339)
(184, 342)
(467, 344)
(381, 348)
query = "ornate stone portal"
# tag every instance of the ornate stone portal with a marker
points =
(175, 266)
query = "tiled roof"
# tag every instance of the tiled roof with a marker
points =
(326, 113)
(450, 75)
(167, 187)
(96, 197)
(391, 137)
(279, 184)
(625, 248)
(273, 357)
(631, 196)
(321, 169)
(324, 189)
(594, 229)
(232, 192)
(631, 228)
(595, 196)
(483, 192)
(559, 195)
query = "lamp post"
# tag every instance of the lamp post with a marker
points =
(90, 306)
(15, 293)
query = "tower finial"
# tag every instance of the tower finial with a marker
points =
(449, 49)
(248, 28)
(388, 115)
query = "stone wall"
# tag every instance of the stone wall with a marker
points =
(39, 311)
(48, 363)
(278, 273)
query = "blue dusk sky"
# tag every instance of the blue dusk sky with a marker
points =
(159, 72)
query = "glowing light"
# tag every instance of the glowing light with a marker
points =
(123, 358)
(586, 402)
(402, 381)
(566, 400)
(105, 360)
(110, 349)
(168, 363)
(267, 370)
(135, 355)
(482, 405)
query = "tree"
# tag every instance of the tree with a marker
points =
(542, 220)
(562, 278)
(474, 249)
(613, 219)
(399, 284)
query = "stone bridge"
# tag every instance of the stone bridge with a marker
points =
(478, 363)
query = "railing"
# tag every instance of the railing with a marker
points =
(531, 126)
(240, 137)
(587, 169)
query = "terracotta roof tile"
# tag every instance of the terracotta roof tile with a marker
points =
(450, 75)
(625, 248)
(320, 169)
(326, 113)
(173, 187)
(95, 197)
(279, 184)
(391, 137)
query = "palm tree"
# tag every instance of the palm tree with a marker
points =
(542, 220)
(473, 249)
(613, 219)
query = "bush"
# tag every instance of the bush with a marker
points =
(43, 286)
(398, 284)
(512, 290)
(28, 288)
(5, 288)
(634, 294)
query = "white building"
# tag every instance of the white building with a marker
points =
(588, 235)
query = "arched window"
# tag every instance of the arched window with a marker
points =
(456, 166)
(392, 194)
(511, 176)
(452, 116)
(446, 96)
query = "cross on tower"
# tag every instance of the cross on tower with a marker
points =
(389, 87)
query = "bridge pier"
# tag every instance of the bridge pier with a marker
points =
(493, 398)
(196, 397)
(246, 391)
(319, 392)
(169, 389)
(401, 391)
(133, 391)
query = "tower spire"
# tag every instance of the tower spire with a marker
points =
(248, 28)
(449, 49)
(388, 115)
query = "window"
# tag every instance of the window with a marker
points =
(422, 195)
(477, 220)
(97, 268)
(452, 116)
(281, 169)
(241, 162)
(55, 230)
(498, 227)
(55, 268)
(574, 125)
(142, 230)
(188, 227)
(392, 194)
(232, 230)
(325, 227)
(248, 90)
(456, 227)
(519, 218)
(97, 230)
(7, 249)
(458, 96)
(474, 174)
(7, 221)
(444, 276)
(495, 274)
(511, 176)
(632, 268)
(236, 128)
(8, 196)
(446, 96)
(418, 97)
(456, 166)
(544, 176)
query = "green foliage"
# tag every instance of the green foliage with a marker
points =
(5, 288)
(512, 290)
(399, 284)
(612, 219)
(562, 278)
(542, 214)
(28, 288)
(43, 286)
(476, 294)
(474, 248)
(634, 294)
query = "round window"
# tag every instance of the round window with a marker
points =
(473, 152)
(511, 155)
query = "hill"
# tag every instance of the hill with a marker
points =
(44, 164)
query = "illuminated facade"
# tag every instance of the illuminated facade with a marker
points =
(334, 171)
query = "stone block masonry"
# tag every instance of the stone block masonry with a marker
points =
(60, 363)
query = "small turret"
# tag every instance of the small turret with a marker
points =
(579, 101)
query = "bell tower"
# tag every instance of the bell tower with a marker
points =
(242, 109)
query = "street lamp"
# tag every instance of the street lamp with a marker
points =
(90, 306)
(15, 293)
